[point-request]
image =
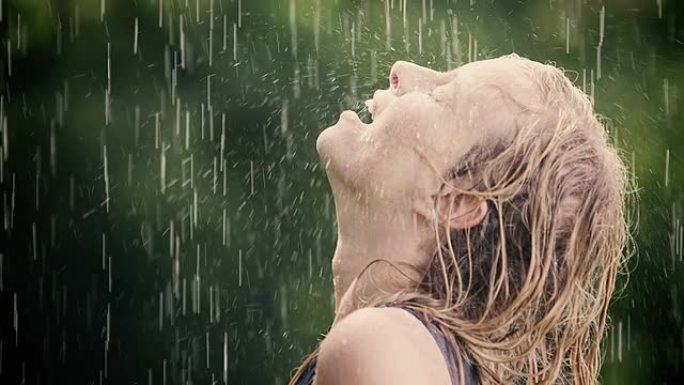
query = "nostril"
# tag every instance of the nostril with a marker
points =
(394, 80)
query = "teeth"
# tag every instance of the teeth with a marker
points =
(369, 104)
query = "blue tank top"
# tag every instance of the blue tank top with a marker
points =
(470, 374)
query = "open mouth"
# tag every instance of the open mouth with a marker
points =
(366, 112)
(370, 105)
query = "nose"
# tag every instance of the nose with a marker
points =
(406, 77)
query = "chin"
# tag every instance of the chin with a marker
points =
(325, 143)
(329, 148)
(337, 145)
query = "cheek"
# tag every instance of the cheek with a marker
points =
(435, 136)
(414, 127)
(396, 127)
(392, 175)
(400, 161)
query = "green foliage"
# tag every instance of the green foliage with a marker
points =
(229, 261)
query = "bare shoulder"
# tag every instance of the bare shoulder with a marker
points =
(378, 346)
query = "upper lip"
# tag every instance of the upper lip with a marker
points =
(379, 102)
(370, 104)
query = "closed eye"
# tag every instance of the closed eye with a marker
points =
(439, 96)
(435, 95)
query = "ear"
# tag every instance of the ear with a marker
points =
(461, 211)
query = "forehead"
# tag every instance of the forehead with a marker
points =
(508, 70)
(486, 79)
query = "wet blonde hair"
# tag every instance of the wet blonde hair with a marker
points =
(526, 292)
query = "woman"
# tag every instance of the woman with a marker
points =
(480, 229)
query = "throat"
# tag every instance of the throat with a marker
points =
(364, 272)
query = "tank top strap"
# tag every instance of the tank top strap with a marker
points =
(308, 375)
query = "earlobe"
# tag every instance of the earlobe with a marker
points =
(479, 213)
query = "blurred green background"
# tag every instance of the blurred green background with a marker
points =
(165, 218)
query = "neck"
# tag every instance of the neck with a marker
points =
(397, 240)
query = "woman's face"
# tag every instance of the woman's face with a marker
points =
(421, 126)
